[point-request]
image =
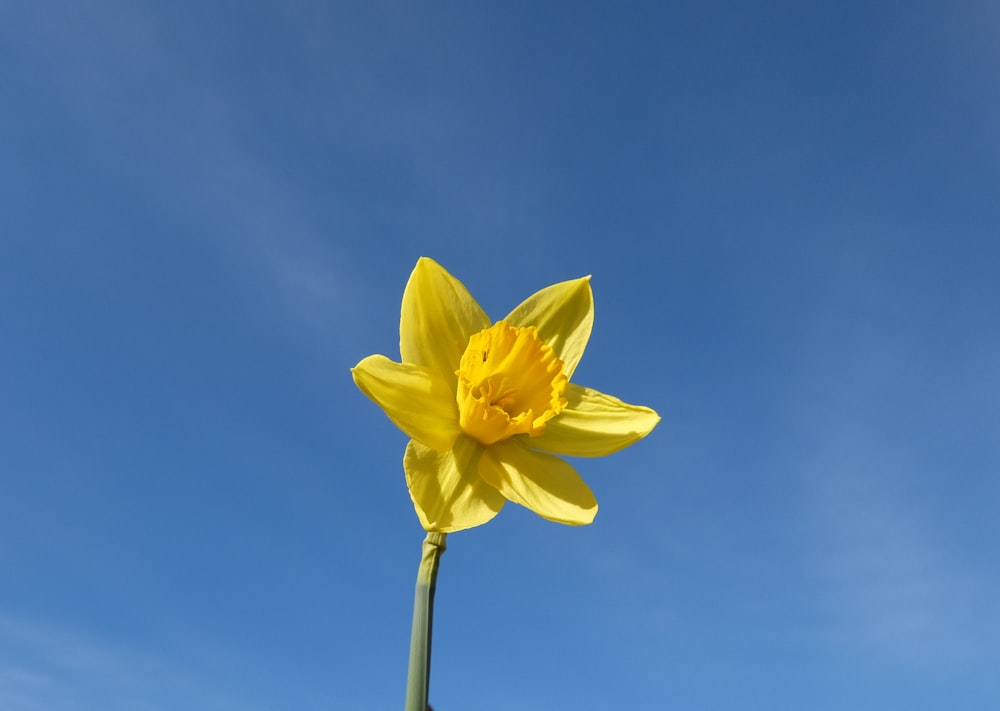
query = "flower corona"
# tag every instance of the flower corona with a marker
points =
(509, 383)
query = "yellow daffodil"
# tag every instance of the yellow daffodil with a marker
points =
(487, 405)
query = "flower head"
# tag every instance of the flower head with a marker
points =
(487, 405)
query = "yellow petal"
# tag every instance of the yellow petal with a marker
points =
(563, 314)
(594, 424)
(416, 398)
(437, 318)
(447, 491)
(545, 484)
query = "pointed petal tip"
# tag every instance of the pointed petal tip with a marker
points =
(545, 484)
(563, 313)
(425, 266)
(581, 518)
(427, 262)
(446, 491)
(415, 398)
(437, 317)
(595, 424)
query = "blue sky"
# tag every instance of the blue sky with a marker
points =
(209, 211)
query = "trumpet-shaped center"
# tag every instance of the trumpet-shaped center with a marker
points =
(509, 383)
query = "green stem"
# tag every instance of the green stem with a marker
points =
(423, 619)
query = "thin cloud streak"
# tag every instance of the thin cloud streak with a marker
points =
(193, 132)
(900, 586)
(891, 582)
(58, 669)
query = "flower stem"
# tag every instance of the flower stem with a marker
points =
(419, 676)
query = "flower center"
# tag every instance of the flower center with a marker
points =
(509, 383)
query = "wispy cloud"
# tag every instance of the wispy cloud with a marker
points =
(157, 112)
(49, 667)
(52, 669)
(882, 486)
(891, 584)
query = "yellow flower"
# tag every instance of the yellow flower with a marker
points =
(488, 405)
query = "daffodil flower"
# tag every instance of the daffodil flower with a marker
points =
(488, 405)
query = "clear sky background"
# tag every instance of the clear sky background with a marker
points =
(791, 212)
